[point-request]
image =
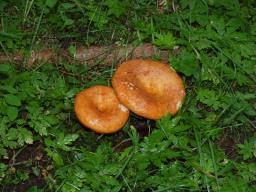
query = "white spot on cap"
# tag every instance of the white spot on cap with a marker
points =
(178, 105)
(94, 121)
(130, 85)
(122, 108)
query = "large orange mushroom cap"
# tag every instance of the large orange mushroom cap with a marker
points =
(148, 88)
(99, 109)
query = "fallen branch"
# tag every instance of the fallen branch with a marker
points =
(92, 55)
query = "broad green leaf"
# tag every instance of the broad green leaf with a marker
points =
(203, 44)
(57, 159)
(8, 88)
(72, 92)
(34, 189)
(234, 24)
(52, 119)
(3, 168)
(64, 141)
(12, 100)
(23, 175)
(3, 125)
(12, 134)
(3, 152)
(55, 156)
(116, 7)
(51, 3)
(99, 18)
(218, 24)
(5, 68)
(72, 50)
(67, 21)
(40, 127)
(247, 149)
(164, 41)
(66, 6)
(111, 169)
(209, 74)
(235, 183)
(2, 6)
(12, 113)
(210, 98)
(248, 49)
(21, 135)
(70, 138)
(186, 63)
(24, 136)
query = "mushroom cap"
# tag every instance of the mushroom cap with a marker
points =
(99, 109)
(148, 88)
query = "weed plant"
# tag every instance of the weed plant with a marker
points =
(210, 145)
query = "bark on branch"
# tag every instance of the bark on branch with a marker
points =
(92, 55)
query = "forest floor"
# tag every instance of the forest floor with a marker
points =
(51, 50)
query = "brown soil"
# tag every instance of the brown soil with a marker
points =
(31, 156)
(143, 126)
(23, 187)
(228, 145)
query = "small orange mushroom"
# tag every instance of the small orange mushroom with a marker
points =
(148, 88)
(99, 109)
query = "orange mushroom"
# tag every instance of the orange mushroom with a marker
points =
(148, 88)
(99, 109)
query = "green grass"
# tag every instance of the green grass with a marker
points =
(210, 145)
